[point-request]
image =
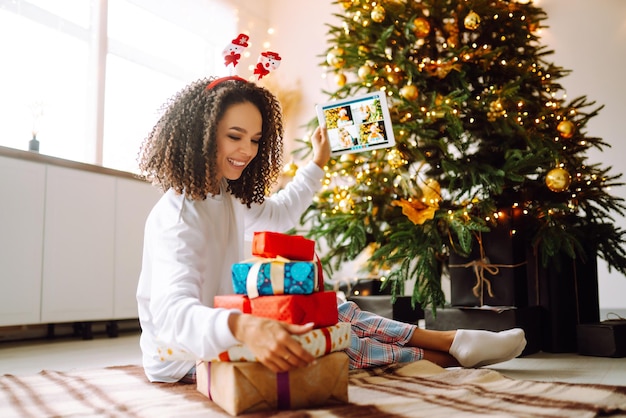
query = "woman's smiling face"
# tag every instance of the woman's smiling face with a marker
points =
(238, 136)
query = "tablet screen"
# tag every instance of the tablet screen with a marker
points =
(356, 124)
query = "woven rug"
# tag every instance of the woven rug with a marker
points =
(419, 389)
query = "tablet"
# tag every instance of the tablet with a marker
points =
(357, 124)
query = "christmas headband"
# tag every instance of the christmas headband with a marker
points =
(267, 61)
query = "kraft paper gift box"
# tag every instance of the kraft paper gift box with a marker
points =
(319, 307)
(242, 387)
(274, 244)
(264, 277)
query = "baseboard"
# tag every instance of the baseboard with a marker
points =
(64, 330)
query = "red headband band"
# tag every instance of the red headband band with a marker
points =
(219, 80)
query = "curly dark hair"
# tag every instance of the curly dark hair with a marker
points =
(181, 150)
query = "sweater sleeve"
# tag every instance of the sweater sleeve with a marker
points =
(282, 210)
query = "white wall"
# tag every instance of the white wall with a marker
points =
(587, 37)
(301, 38)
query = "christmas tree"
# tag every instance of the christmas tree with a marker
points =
(483, 131)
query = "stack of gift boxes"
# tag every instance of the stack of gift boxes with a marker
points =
(283, 281)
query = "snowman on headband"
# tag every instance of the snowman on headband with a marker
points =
(268, 60)
(232, 52)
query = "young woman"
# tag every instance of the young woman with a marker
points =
(215, 153)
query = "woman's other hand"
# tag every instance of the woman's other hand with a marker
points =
(321, 146)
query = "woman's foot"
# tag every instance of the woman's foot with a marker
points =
(477, 348)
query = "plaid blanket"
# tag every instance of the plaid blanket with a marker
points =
(419, 389)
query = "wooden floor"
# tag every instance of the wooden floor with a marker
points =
(70, 353)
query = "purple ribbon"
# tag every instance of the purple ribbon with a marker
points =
(209, 380)
(282, 389)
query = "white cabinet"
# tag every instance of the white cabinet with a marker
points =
(79, 237)
(134, 200)
(71, 240)
(22, 191)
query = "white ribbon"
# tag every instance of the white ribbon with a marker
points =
(277, 275)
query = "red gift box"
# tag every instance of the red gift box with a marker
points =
(266, 244)
(319, 307)
(274, 244)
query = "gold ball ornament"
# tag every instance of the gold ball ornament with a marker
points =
(409, 92)
(348, 158)
(334, 58)
(340, 79)
(394, 77)
(421, 27)
(365, 71)
(395, 6)
(566, 129)
(378, 14)
(558, 179)
(472, 21)
(363, 50)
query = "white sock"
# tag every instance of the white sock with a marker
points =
(476, 348)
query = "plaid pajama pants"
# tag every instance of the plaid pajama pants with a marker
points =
(376, 340)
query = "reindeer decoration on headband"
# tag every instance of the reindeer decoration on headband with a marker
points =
(267, 62)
